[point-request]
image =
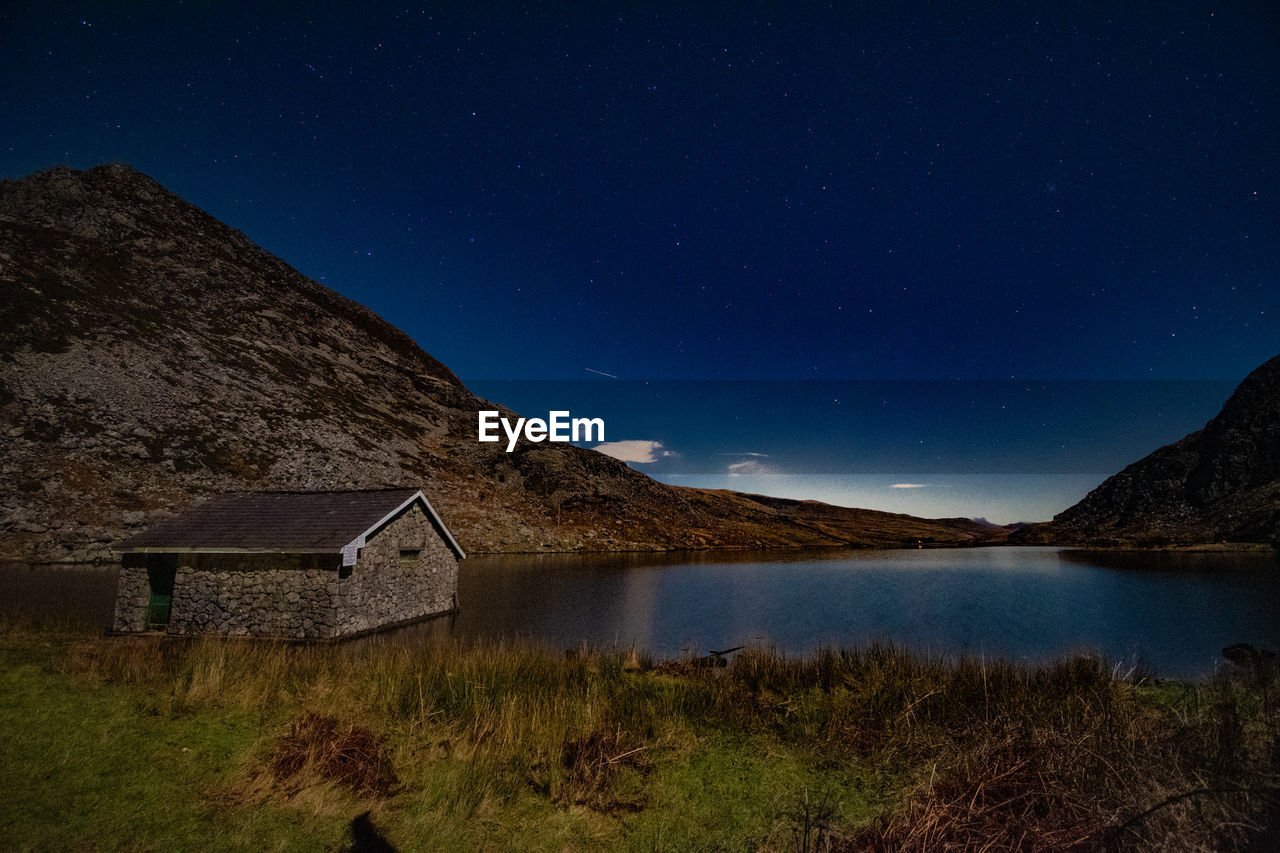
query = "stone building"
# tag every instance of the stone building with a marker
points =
(290, 564)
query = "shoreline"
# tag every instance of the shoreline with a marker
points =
(1202, 548)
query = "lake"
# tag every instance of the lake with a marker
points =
(1173, 612)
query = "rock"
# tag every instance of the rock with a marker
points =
(1255, 665)
(1220, 484)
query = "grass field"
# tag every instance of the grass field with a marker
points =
(139, 744)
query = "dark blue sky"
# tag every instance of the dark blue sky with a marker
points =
(767, 191)
(713, 191)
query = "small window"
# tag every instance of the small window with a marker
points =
(344, 572)
(409, 558)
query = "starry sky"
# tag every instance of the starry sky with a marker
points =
(754, 191)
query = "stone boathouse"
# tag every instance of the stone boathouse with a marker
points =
(309, 565)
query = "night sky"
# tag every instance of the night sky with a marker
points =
(761, 191)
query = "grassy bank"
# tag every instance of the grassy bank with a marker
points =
(137, 744)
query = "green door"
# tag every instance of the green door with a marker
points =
(160, 573)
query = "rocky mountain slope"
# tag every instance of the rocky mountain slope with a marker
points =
(1220, 484)
(151, 356)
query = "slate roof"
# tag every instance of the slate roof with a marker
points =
(288, 522)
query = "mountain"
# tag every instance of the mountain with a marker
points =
(1219, 484)
(151, 356)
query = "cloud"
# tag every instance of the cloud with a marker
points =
(750, 466)
(909, 486)
(635, 450)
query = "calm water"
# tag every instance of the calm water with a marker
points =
(1171, 611)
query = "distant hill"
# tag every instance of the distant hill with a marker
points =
(1220, 484)
(151, 356)
(1017, 525)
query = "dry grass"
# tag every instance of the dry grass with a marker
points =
(321, 746)
(592, 763)
(1063, 757)
(966, 754)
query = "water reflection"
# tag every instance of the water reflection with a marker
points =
(1175, 611)
(73, 594)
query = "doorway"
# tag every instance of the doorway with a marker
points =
(161, 570)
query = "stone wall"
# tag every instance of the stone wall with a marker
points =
(302, 595)
(132, 594)
(285, 595)
(382, 590)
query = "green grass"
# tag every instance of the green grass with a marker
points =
(93, 766)
(124, 744)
